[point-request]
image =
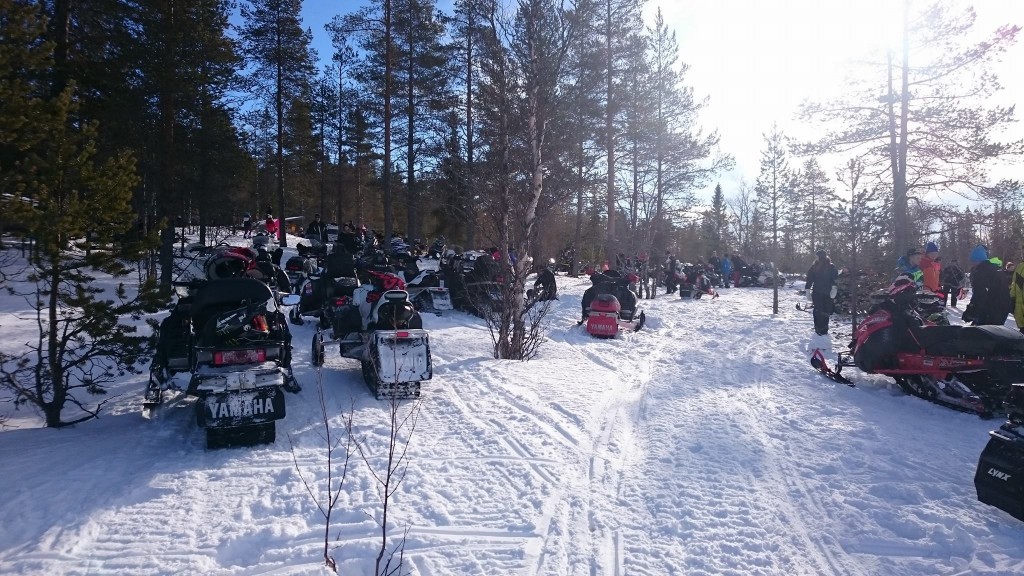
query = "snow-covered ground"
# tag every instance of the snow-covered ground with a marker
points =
(704, 444)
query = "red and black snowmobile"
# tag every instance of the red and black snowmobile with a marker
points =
(609, 306)
(968, 368)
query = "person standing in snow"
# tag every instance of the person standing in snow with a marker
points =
(990, 297)
(821, 281)
(952, 278)
(930, 268)
(1017, 295)
(317, 230)
(726, 271)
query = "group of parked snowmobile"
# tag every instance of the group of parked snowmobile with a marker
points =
(229, 332)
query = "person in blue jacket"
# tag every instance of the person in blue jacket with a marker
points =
(726, 270)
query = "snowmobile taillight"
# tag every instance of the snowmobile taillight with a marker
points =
(401, 334)
(259, 323)
(226, 357)
(342, 301)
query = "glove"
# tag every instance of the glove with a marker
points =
(833, 291)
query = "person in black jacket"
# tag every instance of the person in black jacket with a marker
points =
(544, 288)
(989, 292)
(952, 279)
(821, 281)
(317, 230)
(990, 297)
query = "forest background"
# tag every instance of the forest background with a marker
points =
(772, 129)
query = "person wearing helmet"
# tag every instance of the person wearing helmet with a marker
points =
(821, 281)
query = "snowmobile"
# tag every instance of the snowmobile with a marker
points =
(760, 275)
(967, 368)
(318, 292)
(232, 338)
(427, 292)
(693, 283)
(999, 479)
(437, 249)
(379, 327)
(609, 306)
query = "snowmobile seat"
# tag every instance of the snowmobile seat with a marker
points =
(394, 310)
(221, 295)
(969, 340)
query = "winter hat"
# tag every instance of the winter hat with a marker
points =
(914, 251)
(821, 254)
(979, 254)
(931, 247)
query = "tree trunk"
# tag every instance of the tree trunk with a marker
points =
(898, 143)
(386, 175)
(279, 110)
(610, 248)
(470, 142)
(166, 194)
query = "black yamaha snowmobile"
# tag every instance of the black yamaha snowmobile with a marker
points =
(232, 338)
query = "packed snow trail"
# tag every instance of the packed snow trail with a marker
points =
(703, 444)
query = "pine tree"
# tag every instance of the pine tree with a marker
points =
(772, 188)
(716, 222)
(82, 344)
(423, 74)
(277, 47)
(685, 157)
(811, 198)
(621, 19)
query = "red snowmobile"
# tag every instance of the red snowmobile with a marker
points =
(609, 306)
(967, 368)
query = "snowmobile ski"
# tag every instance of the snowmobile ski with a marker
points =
(821, 365)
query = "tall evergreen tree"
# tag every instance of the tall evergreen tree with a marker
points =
(772, 188)
(812, 197)
(82, 343)
(423, 72)
(277, 48)
(621, 19)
